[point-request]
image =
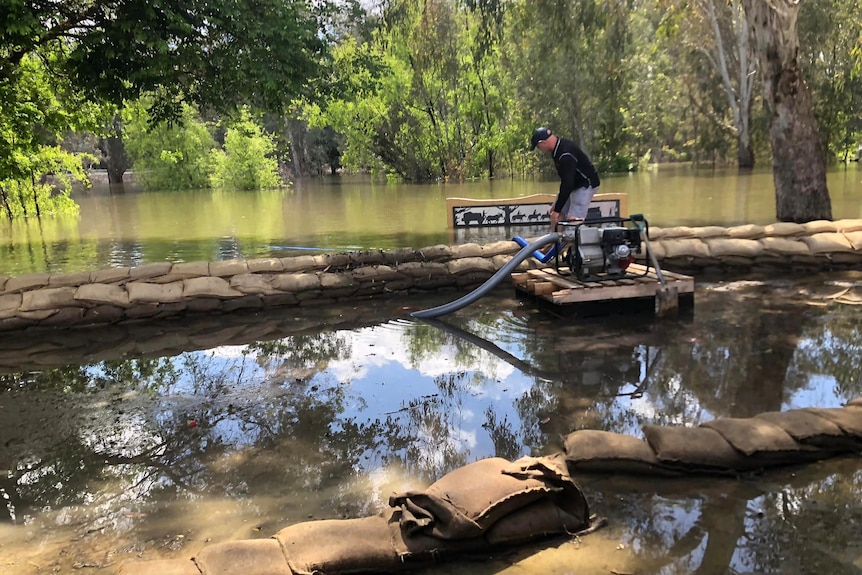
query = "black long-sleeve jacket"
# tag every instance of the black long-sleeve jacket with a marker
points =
(575, 168)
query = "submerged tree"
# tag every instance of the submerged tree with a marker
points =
(799, 160)
(247, 161)
(35, 108)
(169, 156)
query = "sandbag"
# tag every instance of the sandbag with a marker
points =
(416, 547)
(696, 449)
(595, 451)
(849, 419)
(466, 502)
(811, 429)
(518, 516)
(538, 520)
(159, 567)
(332, 546)
(251, 557)
(762, 439)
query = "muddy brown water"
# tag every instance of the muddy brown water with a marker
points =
(128, 226)
(146, 453)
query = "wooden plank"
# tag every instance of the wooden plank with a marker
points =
(544, 288)
(607, 294)
(554, 277)
(546, 283)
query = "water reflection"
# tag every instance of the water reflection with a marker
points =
(123, 227)
(155, 450)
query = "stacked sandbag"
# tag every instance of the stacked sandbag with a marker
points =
(722, 446)
(483, 505)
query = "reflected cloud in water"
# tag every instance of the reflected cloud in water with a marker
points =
(324, 418)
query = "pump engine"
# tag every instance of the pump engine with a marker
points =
(601, 249)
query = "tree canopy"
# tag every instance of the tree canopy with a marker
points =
(213, 53)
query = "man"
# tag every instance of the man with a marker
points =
(578, 177)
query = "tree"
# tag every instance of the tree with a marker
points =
(798, 157)
(35, 108)
(572, 65)
(246, 162)
(732, 59)
(168, 156)
(830, 55)
(213, 53)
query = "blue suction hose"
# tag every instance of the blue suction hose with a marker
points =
(527, 251)
(544, 258)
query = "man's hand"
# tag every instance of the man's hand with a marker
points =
(555, 217)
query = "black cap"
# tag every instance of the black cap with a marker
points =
(539, 135)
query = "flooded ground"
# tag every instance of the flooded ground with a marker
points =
(236, 426)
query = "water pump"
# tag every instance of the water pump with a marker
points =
(599, 249)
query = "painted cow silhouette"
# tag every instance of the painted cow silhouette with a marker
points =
(494, 219)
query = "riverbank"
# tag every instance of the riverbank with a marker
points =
(163, 290)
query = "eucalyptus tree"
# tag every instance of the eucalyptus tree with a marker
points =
(718, 32)
(573, 72)
(798, 156)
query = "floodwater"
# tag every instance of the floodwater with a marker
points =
(152, 443)
(126, 226)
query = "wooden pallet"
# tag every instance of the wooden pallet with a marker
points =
(558, 289)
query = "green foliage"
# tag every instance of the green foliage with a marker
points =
(46, 192)
(168, 156)
(35, 108)
(246, 163)
(830, 34)
(213, 53)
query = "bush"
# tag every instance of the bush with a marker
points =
(246, 162)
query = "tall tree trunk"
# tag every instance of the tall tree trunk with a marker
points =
(745, 153)
(798, 158)
(115, 152)
(732, 59)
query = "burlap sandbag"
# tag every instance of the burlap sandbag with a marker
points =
(333, 546)
(763, 440)
(538, 520)
(849, 419)
(518, 516)
(811, 429)
(159, 567)
(696, 449)
(250, 557)
(595, 451)
(464, 503)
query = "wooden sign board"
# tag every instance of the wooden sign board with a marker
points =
(524, 211)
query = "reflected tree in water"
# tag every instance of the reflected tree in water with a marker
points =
(832, 350)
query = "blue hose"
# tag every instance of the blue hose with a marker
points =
(492, 282)
(544, 258)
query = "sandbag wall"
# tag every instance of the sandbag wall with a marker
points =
(484, 505)
(164, 289)
(160, 290)
(776, 248)
(726, 446)
(493, 503)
